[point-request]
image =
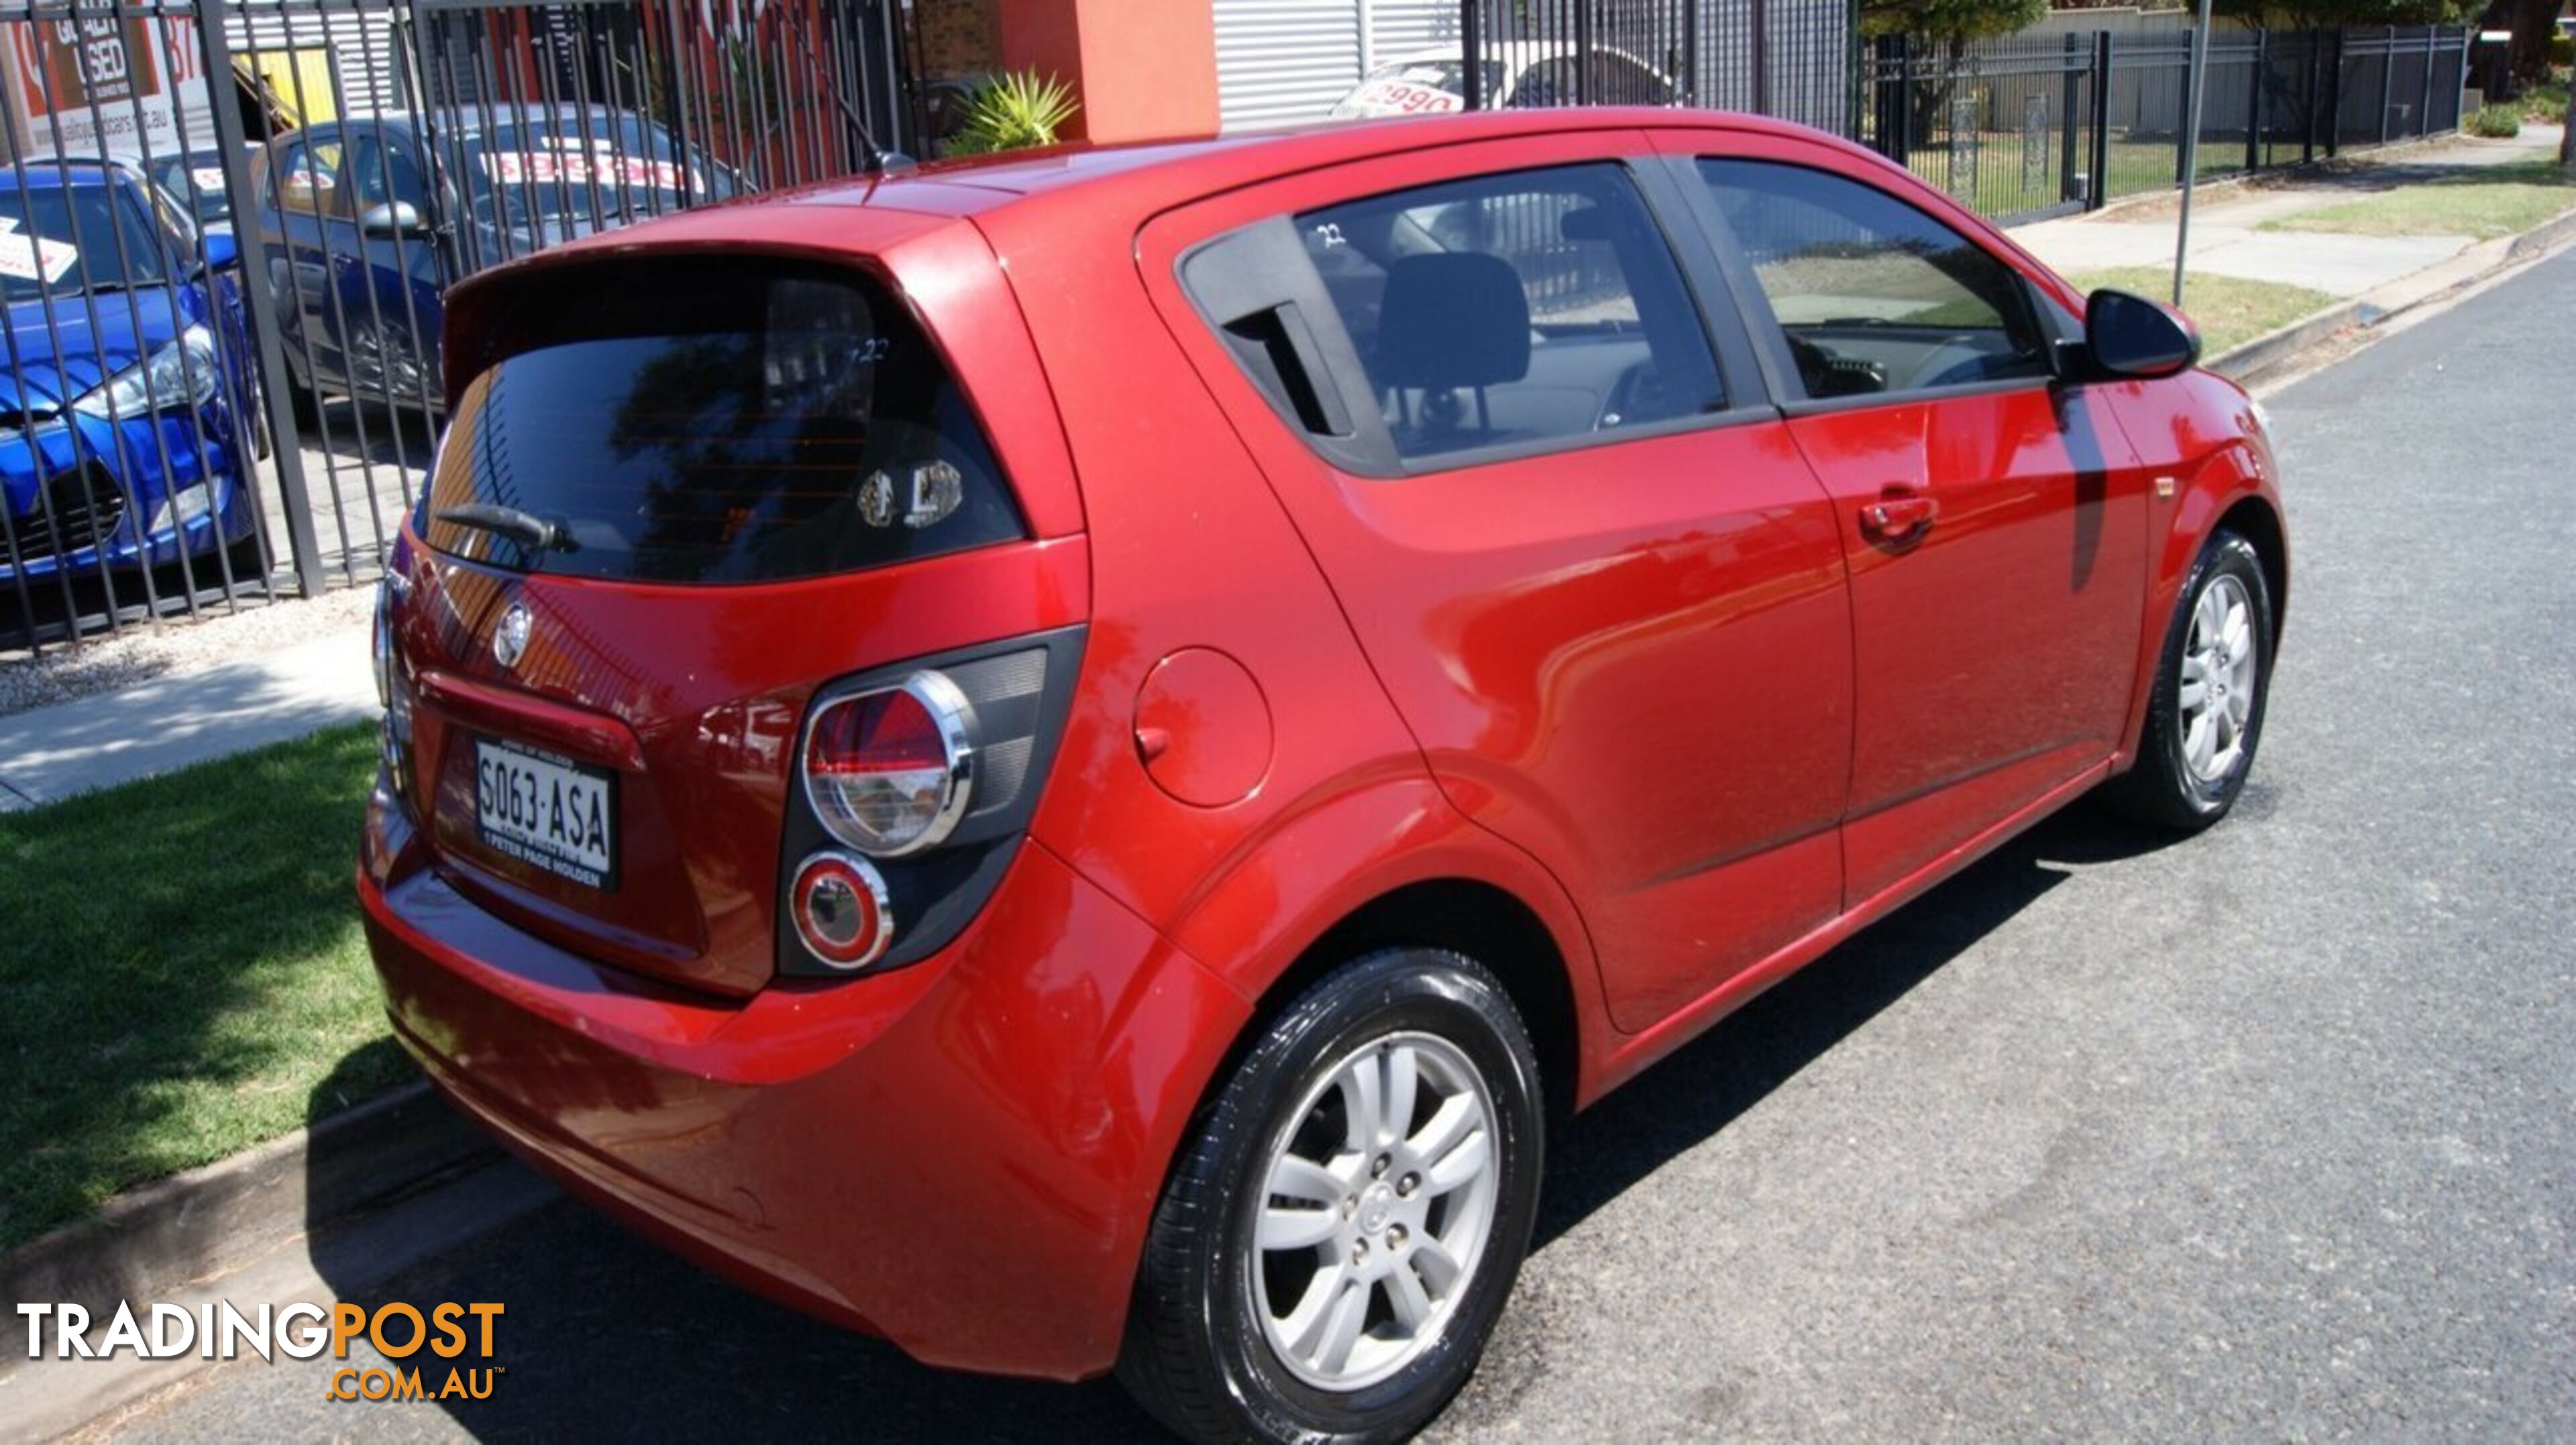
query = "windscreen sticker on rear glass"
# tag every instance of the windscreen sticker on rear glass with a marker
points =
(33, 258)
(207, 178)
(578, 168)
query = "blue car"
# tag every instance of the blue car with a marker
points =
(368, 218)
(123, 389)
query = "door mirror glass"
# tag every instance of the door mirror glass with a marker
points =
(390, 218)
(2130, 335)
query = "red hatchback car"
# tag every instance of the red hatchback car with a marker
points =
(1072, 759)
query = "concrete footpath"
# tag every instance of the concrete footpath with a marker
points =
(186, 717)
(2249, 231)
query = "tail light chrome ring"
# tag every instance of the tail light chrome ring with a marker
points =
(842, 911)
(952, 716)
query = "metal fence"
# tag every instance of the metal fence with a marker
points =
(227, 226)
(1789, 58)
(2020, 128)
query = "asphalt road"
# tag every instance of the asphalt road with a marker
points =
(2267, 1134)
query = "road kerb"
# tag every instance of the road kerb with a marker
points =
(2250, 361)
(148, 1242)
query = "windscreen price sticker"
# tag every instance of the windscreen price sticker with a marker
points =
(33, 258)
(576, 168)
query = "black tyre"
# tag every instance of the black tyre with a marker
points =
(2205, 715)
(1341, 1231)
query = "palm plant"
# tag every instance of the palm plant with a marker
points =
(1013, 111)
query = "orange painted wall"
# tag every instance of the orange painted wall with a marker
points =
(1145, 69)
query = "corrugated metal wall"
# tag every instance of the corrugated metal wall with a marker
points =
(1283, 61)
(362, 46)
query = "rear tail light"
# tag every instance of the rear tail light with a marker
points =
(393, 689)
(917, 782)
(890, 772)
(842, 911)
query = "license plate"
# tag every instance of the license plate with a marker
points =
(547, 811)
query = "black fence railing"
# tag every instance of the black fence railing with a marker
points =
(2020, 127)
(1790, 58)
(227, 228)
(2017, 127)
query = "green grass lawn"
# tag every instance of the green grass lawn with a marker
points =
(2228, 311)
(2499, 201)
(184, 973)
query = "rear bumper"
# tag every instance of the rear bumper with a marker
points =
(960, 1156)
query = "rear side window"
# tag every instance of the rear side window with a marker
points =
(1513, 309)
(1871, 294)
(678, 421)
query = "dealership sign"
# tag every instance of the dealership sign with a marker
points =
(109, 84)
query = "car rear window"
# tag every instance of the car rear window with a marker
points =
(697, 422)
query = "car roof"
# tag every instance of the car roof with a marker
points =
(47, 174)
(1155, 175)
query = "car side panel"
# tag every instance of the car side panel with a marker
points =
(1629, 657)
(2198, 431)
(1190, 554)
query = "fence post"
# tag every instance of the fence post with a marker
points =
(1904, 46)
(2387, 76)
(1471, 48)
(1758, 18)
(2334, 98)
(2424, 112)
(2255, 78)
(2068, 94)
(2098, 194)
(2315, 94)
(259, 305)
(2186, 135)
(1582, 52)
(1690, 54)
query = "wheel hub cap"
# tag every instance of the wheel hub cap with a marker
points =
(2215, 703)
(1377, 1201)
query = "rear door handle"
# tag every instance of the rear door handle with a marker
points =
(1899, 519)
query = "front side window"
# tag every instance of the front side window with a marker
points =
(1872, 295)
(1513, 309)
(307, 178)
(381, 171)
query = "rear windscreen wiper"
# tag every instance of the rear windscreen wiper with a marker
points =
(525, 528)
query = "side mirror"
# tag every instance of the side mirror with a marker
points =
(390, 218)
(2130, 335)
(221, 249)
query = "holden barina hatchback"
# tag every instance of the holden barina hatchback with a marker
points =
(1074, 760)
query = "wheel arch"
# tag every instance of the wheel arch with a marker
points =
(1470, 916)
(2254, 518)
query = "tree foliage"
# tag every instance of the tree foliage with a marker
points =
(1948, 19)
(2308, 14)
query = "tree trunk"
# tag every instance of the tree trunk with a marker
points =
(2567, 137)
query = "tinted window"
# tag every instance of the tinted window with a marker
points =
(1514, 309)
(382, 171)
(60, 240)
(197, 179)
(1872, 294)
(681, 423)
(307, 177)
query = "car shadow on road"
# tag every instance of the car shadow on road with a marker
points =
(609, 1336)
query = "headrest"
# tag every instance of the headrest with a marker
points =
(1452, 319)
